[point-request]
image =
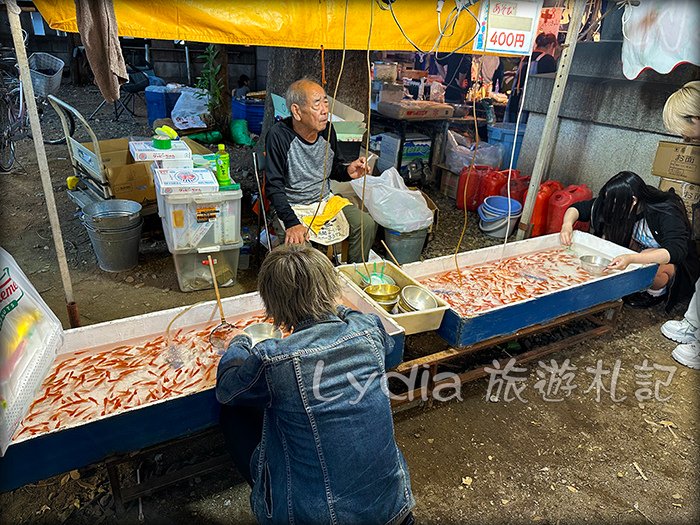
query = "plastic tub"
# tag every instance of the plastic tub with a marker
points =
(193, 270)
(155, 103)
(504, 133)
(499, 228)
(498, 204)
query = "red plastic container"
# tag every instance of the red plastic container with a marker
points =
(518, 188)
(539, 212)
(473, 186)
(561, 201)
(491, 184)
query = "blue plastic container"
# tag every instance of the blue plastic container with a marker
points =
(170, 101)
(252, 111)
(498, 204)
(156, 103)
(503, 133)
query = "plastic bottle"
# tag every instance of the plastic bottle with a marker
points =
(561, 201)
(540, 211)
(491, 184)
(223, 166)
(473, 185)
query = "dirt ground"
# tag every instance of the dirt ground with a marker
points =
(481, 459)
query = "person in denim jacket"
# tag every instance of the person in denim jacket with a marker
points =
(307, 418)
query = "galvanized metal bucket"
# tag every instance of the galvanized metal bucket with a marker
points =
(117, 249)
(112, 214)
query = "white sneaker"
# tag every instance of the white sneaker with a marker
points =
(679, 331)
(688, 354)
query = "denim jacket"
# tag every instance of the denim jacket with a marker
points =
(327, 453)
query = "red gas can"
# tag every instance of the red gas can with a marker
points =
(491, 184)
(472, 182)
(561, 201)
(518, 188)
(539, 212)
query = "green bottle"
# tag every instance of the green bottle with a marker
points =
(223, 166)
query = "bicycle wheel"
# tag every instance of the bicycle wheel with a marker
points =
(7, 146)
(51, 126)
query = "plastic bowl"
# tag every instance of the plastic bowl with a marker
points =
(261, 331)
(594, 264)
(383, 292)
(418, 298)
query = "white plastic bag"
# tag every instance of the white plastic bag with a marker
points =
(459, 153)
(392, 204)
(191, 110)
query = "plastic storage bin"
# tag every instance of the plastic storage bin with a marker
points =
(252, 111)
(202, 220)
(193, 272)
(30, 336)
(155, 103)
(504, 133)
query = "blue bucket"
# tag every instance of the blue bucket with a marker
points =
(499, 204)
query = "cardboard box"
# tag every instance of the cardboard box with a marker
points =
(179, 181)
(449, 183)
(690, 193)
(143, 151)
(677, 161)
(415, 147)
(129, 179)
(415, 110)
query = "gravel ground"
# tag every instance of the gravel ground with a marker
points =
(472, 460)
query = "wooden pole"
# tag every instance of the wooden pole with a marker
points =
(13, 12)
(551, 121)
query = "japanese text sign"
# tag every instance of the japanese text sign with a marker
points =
(507, 28)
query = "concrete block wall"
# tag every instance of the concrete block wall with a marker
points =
(607, 122)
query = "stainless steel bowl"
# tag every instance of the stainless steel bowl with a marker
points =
(418, 298)
(388, 305)
(594, 264)
(261, 331)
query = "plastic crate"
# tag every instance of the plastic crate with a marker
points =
(193, 269)
(30, 336)
(202, 220)
(156, 106)
(504, 133)
(46, 72)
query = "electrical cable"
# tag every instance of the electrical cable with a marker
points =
(369, 119)
(330, 121)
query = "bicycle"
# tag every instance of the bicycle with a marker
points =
(14, 116)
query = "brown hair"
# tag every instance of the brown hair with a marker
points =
(545, 39)
(297, 282)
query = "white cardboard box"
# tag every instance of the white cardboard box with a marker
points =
(174, 164)
(187, 180)
(143, 151)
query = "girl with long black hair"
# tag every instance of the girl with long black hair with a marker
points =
(652, 222)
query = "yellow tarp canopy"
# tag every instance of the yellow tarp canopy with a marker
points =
(302, 23)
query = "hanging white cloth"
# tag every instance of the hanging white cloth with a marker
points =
(659, 34)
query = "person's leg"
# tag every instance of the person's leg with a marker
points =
(242, 429)
(359, 222)
(692, 315)
(663, 276)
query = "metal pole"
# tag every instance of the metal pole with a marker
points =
(187, 64)
(13, 12)
(551, 121)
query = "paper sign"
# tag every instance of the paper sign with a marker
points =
(507, 28)
(550, 20)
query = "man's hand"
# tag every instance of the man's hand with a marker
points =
(358, 168)
(296, 234)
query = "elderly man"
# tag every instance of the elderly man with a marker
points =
(296, 150)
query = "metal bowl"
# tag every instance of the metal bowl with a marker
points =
(388, 305)
(383, 292)
(594, 264)
(377, 278)
(418, 298)
(261, 331)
